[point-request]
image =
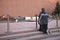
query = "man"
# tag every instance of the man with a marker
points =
(43, 18)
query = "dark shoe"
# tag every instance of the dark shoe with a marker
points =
(45, 32)
(39, 30)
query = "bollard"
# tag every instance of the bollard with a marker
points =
(7, 23)
(36, 21)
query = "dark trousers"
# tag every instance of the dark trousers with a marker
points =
(43, 28)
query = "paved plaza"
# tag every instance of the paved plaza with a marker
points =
(30, 31)
(25, 26)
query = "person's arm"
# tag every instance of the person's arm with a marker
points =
(39, 15)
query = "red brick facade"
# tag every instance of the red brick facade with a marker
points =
(25, 7)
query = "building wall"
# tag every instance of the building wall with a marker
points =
(25, 7)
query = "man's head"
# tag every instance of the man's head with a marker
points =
(43, 10)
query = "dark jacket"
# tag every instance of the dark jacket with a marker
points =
(43, 19)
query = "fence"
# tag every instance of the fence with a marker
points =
(25, 26)
(10, 26)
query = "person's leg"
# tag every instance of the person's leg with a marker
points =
(40, 28)
(45, 28)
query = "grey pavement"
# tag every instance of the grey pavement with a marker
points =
(22, 31)
(35, 35)
(24, 26)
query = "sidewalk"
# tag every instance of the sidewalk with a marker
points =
(11, 33)
(24, 26)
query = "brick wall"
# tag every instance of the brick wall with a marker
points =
(25, 7)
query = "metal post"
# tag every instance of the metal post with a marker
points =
(36, 21)
(7, 23)
(57, 21)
